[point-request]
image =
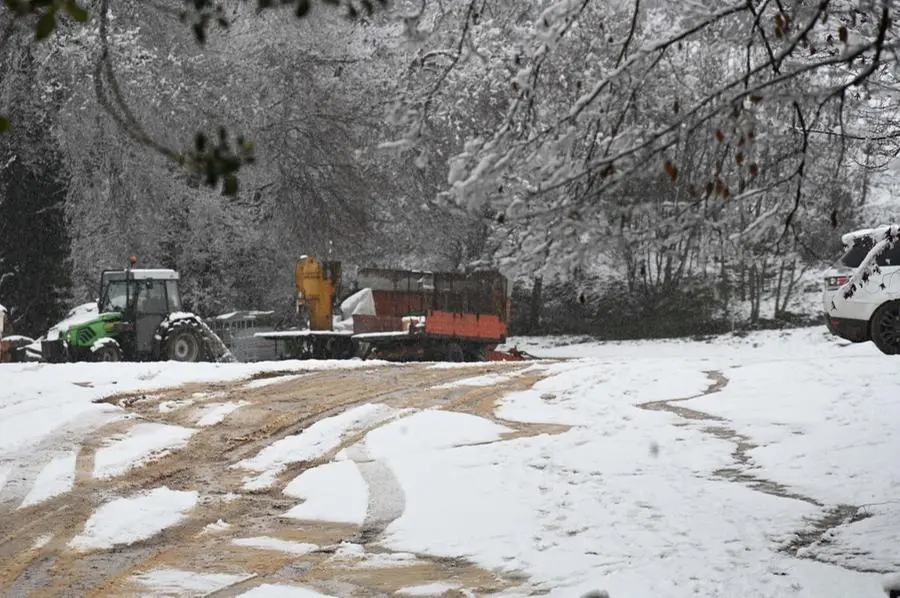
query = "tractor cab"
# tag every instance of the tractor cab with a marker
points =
(144, 298)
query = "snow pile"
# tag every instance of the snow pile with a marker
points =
(128, 520)
(143, 443)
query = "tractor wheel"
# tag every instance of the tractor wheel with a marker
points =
(184, 342)
(885, 328)
(108, 350)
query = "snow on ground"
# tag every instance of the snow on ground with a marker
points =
(57, 477)
(220, 525)
(267, 543)
(313, 443)
(282, 591)
(39, 398)
(428, 589)
(47, 410)
(627, 500)
(216, 413)
(485, 380)
(142, 443)
(259, 383)
(127, 520)
(331, 492)
(430, 430)
(174, 405)
(183, 584)
(631, 500)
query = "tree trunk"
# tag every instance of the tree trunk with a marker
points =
(536, 305)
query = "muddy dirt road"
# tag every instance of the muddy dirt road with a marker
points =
(37, 557)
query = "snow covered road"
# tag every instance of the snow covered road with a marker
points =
(763, 466)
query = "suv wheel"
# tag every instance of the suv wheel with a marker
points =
(885, 328)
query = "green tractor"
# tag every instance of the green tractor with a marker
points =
(138, 318)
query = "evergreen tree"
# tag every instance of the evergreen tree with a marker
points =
(35, 276)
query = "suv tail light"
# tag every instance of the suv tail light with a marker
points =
(834, 282)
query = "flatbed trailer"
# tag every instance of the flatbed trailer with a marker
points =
(311, 344)
(409, 315)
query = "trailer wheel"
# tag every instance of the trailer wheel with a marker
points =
(454, 353)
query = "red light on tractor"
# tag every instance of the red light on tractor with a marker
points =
(133, 260)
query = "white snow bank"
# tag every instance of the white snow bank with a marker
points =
(332, 492)
(430, 430)
(282, 591)
(268, 543)
(141, 444)
(127, 520)
(57, 477)
(181, 583)
(313, 443)
(214, 414)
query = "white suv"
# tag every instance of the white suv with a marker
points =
(873, 311)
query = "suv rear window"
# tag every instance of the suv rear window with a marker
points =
(861, 247)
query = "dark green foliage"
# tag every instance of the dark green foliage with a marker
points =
(611, 312)
(34, 243)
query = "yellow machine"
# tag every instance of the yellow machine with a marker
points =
(317, 284)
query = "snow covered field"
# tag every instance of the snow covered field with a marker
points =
(763, 465)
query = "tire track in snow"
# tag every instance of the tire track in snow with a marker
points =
(387, 501)
(818, 528)
(276, 412)
(62, 442)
